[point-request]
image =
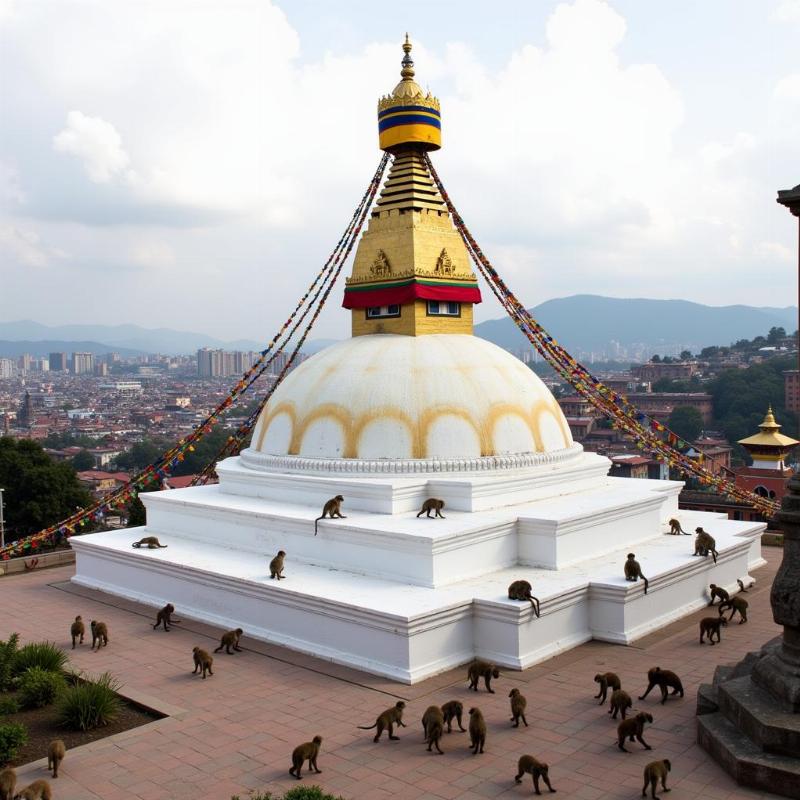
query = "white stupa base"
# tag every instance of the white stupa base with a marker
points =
(407, 598)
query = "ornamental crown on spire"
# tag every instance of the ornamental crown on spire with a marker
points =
(409, 116)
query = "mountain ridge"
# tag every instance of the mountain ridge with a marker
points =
(582, 323)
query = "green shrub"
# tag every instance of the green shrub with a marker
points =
(45, 655)
(8, 705)
(90, 704)
(8, 651)
(309, 793)
(12, 737)
(39, 687)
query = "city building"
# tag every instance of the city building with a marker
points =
(660, 405)
(675, 370)
(8, 369)
(791, 390)
(82, 363)
(58, 362)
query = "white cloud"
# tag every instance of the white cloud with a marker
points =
(787, 11)
(788, 88)
(96, 142)
(22, 245)
(152, 254)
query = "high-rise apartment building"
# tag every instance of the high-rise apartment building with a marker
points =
(7, 368)
(58, 362)
(82, 363)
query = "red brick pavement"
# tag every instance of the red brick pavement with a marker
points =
(234, 732)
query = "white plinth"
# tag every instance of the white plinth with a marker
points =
(404, 597)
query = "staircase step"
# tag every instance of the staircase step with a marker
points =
(760, 716)
(744, 761)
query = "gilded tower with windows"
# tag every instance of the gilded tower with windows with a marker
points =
(412, 273)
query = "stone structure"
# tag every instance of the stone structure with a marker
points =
(412, 407)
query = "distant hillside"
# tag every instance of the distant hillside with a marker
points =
(589, 323)
(122, 337)
(46, 346)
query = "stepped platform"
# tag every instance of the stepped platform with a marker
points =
(408, 598)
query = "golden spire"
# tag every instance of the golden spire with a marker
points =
(769, 422)
(407, 72)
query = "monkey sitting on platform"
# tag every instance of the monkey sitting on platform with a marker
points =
(332, 509)
(633, 571)
(705, 544)
(521, 590)
(276, 565)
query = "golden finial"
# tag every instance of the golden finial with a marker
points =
(769, 420)
(407, 72)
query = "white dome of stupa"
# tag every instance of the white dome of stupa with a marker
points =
(436, 397)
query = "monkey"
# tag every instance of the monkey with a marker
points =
(276, 565)
(453, 711)
(432, 713)
(705, 544)
(230, 639)
(8, 782)
(38, 790)
(521, 590)
(387, 720)
(55, 755)
(633, 728)
(332, 509)
(654, 771)
(477, 731)
(310, 751)
(735, 604)
(518, 704)
(633, 571)
(479, 668)
(202, 661)
(718, 592)
(151, 542)
(77, 629)
(741, 585)
(663, 679)
(606, 680)
(165, 616)
(620, 702)
(432, 504)
(710, 626)
(433, 725)
(99, 634)
(535, 768)
(675, 528)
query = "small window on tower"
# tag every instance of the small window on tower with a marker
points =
(437, 308)
(381, 312)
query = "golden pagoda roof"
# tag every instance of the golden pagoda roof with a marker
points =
(769, 436)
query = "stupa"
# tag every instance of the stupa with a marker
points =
(414, 406)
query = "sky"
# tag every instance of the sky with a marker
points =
(191, 164)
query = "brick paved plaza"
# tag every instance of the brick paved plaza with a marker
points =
(234, 732)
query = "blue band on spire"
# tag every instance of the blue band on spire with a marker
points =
(396, 109)
(407, 119)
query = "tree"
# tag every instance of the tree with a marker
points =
(38, 490)
(142, 454)
(686, 421)
(776, 334)
(709, 352)
(83, 460)
(136, 513)
(686, 355)
(656, 359)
